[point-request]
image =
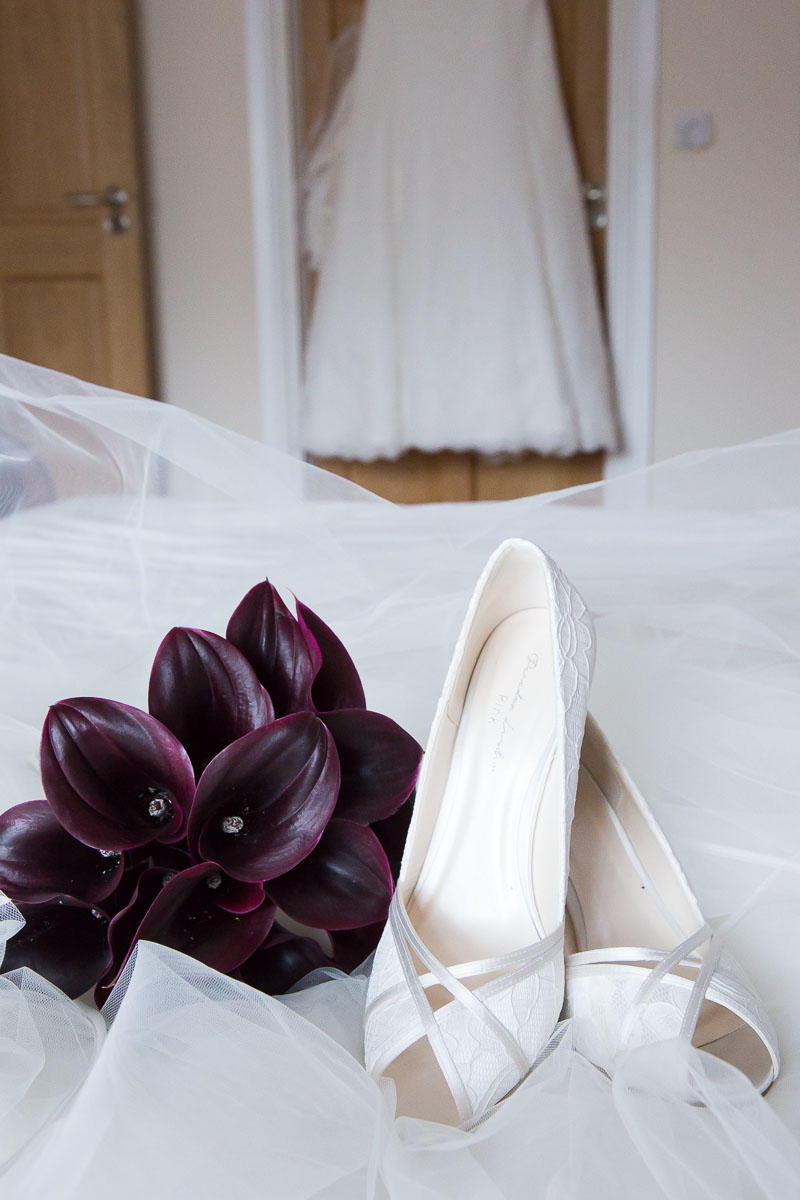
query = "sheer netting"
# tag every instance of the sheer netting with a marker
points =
(120, 518)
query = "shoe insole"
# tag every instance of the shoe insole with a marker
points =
(502, 808)
(476, 895)
(616, 908)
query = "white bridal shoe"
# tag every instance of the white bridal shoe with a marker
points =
(468, 978)
(642, 963)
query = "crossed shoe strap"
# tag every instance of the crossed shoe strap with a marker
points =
(714, 979)
(685, 954)
(410, 1025)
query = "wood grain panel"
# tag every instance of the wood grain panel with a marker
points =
(49, 250)
(316, 35)
(416, 478)
(580, 29)
(109, 38)
(57, 323)
(45, 127)
(530, 474)
(68, 123)
(346, 12)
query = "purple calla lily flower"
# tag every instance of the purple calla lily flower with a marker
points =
(205, 691)
(282, 961)
(262, 803)
(124, 925)
(237, 896)
(115, 777)
(337, 683)
(230, 895)
(64, 941)
(273, 643)
(379, 763)
(343, 884)
(183, 912)
(352, 946)
(168, 859)
(392, 833)
(308, 811)
(40, 861)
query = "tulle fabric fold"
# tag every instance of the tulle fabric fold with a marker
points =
(203, 1087)
(120, 518)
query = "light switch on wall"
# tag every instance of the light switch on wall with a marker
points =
(692, 129)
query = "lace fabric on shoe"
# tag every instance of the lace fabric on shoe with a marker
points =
(487, 1036)
(629, 997)
(484, 1039)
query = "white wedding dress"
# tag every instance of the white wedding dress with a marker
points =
(456, 305)
(120, 518)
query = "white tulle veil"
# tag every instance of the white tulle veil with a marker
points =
(120, 518)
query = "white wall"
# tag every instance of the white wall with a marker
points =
(193, 61)
(727, 310)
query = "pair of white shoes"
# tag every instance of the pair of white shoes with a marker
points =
(498, 926)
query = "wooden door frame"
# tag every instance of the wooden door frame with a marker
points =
(273, 47)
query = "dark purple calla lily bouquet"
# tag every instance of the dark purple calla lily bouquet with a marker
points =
(258, 781)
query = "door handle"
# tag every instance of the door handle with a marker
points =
(114, 198)
(595, 197)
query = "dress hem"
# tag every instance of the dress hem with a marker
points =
(501, 449)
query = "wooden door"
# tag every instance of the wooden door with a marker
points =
(72, 291)
(581, 33)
